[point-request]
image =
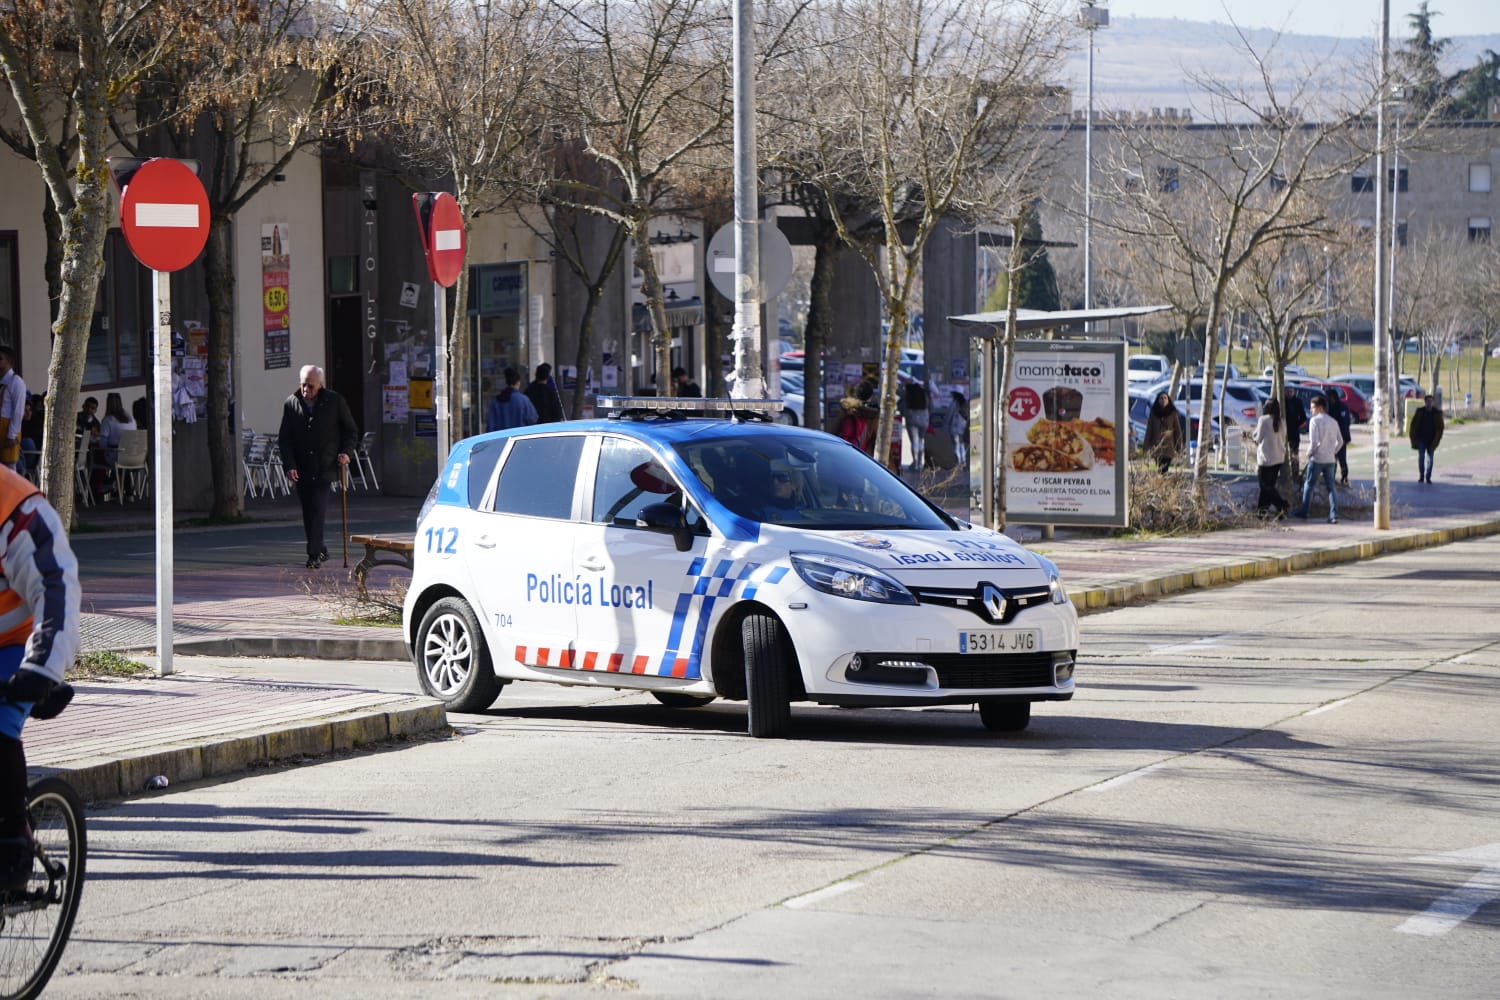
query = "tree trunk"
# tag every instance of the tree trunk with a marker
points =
(661, 334)
(886, 395)
(458, 353)
(819, 323)
(223, 448)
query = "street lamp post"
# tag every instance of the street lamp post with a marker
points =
(1091, 17)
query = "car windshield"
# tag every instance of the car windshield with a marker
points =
(807, 481)
(1145, 364)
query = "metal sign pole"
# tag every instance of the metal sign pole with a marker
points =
(440, 375)
(161, 293)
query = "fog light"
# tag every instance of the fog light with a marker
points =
(1062, 668)
(856, 664)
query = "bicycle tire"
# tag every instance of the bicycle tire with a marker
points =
(35, 924)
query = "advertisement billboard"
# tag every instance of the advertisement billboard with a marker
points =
(1067, 443)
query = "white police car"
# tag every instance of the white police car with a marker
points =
(674, 550)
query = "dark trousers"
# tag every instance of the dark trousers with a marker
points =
(1343, 460)
(1270, 496)
(314, 496)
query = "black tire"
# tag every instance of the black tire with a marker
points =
(787, 417)
(767, 676)
(1000, 716)
(453, 662)
(39, 919)
(675, 699)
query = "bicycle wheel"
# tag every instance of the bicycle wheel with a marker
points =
(35, 923)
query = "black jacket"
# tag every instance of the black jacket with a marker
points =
(311, 442)
(547, 402)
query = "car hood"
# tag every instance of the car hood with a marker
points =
(900, 552)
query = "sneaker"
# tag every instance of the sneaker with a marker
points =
(314, 563)
(1333, 520)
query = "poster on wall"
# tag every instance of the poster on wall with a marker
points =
(1065, 408)
(275, 281)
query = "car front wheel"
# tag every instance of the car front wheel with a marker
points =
(453, 662)
(767, 676)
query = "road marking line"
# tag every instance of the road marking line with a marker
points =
(1124, 779)
(817, 896)
(1453, 909)
(1207, 642)
(1329, 707)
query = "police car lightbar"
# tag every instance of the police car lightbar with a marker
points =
(676, 407)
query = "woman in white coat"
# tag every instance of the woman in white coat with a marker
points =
(1270, 456)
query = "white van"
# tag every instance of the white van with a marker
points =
(1148, 368)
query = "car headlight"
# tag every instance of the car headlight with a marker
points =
(848, 578)
(1055, 589)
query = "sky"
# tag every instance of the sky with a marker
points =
(1341, 18)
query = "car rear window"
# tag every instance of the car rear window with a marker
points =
(538, 476)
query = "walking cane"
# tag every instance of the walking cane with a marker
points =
(344, 508)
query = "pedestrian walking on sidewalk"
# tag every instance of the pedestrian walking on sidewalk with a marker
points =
(1426, 433)
(1323, 443)
(1164, 433)
(1339, 411)
(39, 606)
(318, 434)
(512, 407)
(1296, 418)
(12, 409)
(1270, 456)
(544, 396)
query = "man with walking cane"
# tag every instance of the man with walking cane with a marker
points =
(318, 434)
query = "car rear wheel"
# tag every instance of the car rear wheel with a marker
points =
(1005, 716)
(767, 676)
(787, 417)
(453, 662)
(675, 699)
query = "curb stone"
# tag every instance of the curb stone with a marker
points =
(106, 778)
(1090, 599)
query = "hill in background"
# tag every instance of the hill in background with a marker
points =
(1142, 63)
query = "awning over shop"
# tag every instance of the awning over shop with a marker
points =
(682, 312)
(1043, 319)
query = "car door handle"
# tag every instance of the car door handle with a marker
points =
(594, 563)
(485, 542)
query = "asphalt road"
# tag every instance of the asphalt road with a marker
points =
(1283, 788)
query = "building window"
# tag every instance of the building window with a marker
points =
(117, 341)
(1361, 184)
(1479, 229)
(1277, 182)
(343, 274)
(1479, 178)
(1401, 233)
(1166, 179)
(1395, 179)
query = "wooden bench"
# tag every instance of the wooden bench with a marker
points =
(382, 550)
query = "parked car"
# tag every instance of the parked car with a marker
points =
(791, 399)
(1147, 368)
(1241, 400)
(1270, 371)
(1365, 383)
(704, 557)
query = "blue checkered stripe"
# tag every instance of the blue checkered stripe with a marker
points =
(705, 586)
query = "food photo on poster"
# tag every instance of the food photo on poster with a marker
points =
(1063, 416)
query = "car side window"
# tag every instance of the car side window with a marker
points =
(628, 479)
(538, 477)
(482, 459)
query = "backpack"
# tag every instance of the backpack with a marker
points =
(916, 396)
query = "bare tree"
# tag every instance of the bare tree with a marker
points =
(94, 53)
(1481, 297)
(913, 107)
(642, 92)
(1248, 183)
(458, 88)
(256, 86)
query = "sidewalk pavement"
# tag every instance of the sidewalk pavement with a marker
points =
(203, 723)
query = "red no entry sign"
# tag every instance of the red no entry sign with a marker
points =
(442, 227)
(164, 212)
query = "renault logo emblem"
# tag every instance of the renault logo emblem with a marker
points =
(993, 600)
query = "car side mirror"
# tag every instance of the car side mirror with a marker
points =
(669, 519)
